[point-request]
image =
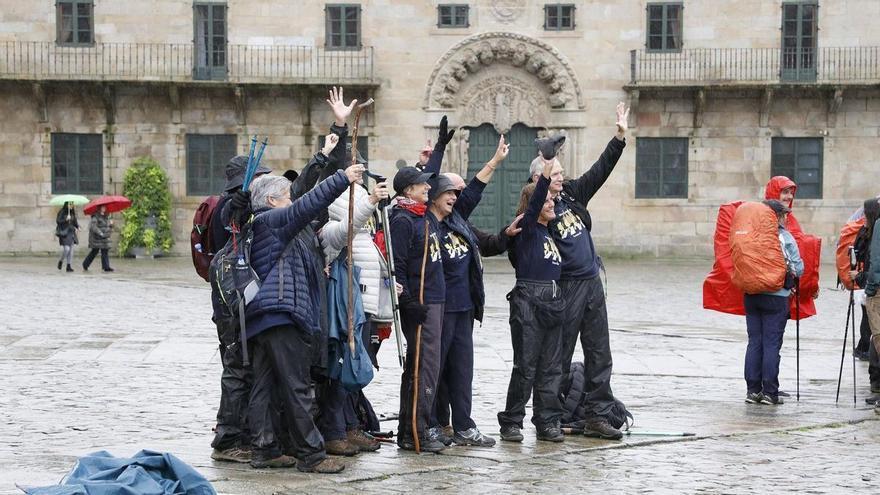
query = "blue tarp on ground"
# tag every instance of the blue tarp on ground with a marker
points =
(145, 473)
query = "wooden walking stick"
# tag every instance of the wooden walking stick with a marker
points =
(354, 138)
(415, 400)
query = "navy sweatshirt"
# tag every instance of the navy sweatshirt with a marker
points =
(537, 257)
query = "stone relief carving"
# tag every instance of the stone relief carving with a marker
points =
(503, 101)
(473, 54)
(508, 11)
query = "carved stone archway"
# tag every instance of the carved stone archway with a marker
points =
(475, 53)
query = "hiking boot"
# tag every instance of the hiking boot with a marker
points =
(425, 445)
(861, 355)
(69, 269)
(550, 433)
(282, 461)
(782, 393)
(601, 428)
(472, 436)
(364, 442)
(234, 454)
(448, 431)
(59, 265)
(328, 465)
(341, 447)
(771, 401)
(874, 400)
(754, 398)
(436, 433)
(511, 433)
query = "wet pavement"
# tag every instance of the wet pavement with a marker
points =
(128, 360)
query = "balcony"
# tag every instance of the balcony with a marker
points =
(184, 63)
(755, 67)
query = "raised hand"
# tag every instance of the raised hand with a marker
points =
(425, 154)
(622, 119)
(445, 135)
(330, 142)
(513, 229)
(501, 152)
(340, 110)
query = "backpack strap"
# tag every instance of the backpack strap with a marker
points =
(241, 320)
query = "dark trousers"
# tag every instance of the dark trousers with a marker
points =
(864, 332)
(536, 334)
(105, 258)
(281, 360)
(429, 372)
(873, 358)
(585, 315)
(337, 415)
(766, 317)
(455, 388)
(235, 389)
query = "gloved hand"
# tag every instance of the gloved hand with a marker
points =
(240, 205)
(445, 135)
(415, 311)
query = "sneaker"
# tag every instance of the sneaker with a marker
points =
(425, 445)
(602, 429)
(341, 447)
(364, 442)
(234, 454)
(472, 436)
(782, 393)
(771, 401)
(550, 433)
(282, 461)
(754, 398)
(511, 433)
(436, 433)
(328, 465)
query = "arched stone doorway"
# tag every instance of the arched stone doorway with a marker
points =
(503, 83)
(501, 196)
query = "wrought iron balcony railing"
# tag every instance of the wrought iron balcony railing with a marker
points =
(263, 64)
(828, 65)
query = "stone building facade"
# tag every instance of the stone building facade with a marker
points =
(724, 94)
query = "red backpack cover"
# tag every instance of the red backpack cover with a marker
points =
(848, 235)
(200, 238)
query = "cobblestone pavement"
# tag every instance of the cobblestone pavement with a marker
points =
(128, 360)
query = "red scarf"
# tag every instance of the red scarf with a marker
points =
(414, 207)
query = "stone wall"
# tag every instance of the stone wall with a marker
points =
(729, 155)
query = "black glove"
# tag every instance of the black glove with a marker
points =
(549, 146)
(415, 312)
(445, 135)
(240, 204)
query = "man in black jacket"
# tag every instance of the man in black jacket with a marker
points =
(584, 310)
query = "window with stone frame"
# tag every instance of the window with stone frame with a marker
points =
(75, 22)
(661, 167)
(363, 145)
(77, 163)
(664, 27)
(799, 159)
(453, 16)
(206, 159)
(558, 17)
(343, 27)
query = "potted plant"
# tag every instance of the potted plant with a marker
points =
(148, 220)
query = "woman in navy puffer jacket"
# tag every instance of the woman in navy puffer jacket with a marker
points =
(281, 319)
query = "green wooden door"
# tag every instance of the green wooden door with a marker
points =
(501, 196)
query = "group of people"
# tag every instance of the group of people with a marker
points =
(269, 415)
(66, 229)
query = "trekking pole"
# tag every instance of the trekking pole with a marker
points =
(853, 311)
(395, 304)
(850, 310)
(797, 326)
(350, 305)
(415, 401)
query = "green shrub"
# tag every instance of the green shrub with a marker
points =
(146, 185)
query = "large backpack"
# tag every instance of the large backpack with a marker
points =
(200, 241)
(574, 396)
(758, 262)
(232, 276)
(848, 235)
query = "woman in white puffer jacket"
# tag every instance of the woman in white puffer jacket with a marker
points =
(367, 257)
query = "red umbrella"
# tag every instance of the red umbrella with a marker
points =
(113, 204)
